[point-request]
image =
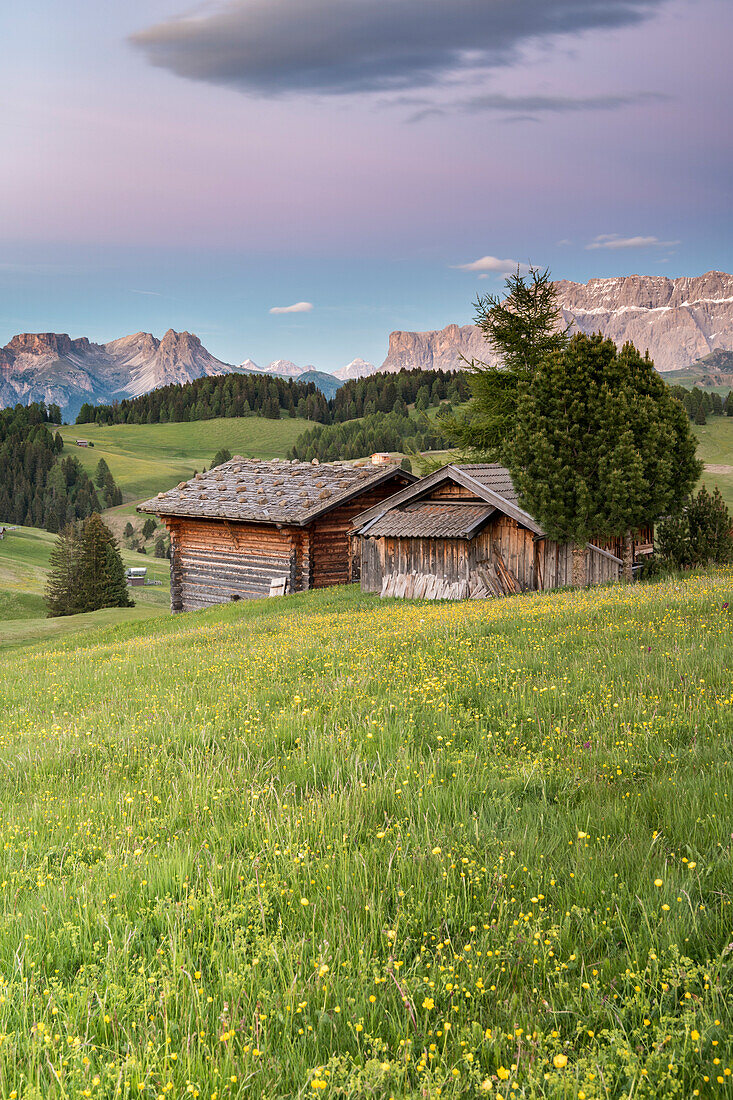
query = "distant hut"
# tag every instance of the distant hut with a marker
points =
(460, 533)
(249, 528)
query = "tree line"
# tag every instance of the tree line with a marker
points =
(700, 404)
(384, 392)
(378, 431)
(265, 395)
(38, 486)
(227, 395)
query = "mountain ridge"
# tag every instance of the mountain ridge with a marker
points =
(57, 369)
(677, 320)
(680, 321)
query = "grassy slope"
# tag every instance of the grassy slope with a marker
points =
(716, 448)
(24, 555)
(148, 458)
(335, 845)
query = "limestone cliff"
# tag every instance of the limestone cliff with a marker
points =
(677, 320)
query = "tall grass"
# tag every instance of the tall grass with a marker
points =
(332, 846)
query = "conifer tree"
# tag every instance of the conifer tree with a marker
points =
(101, 573)
(115, 592)
(522, 330)
(101, 473)
(601, 447)
(62, 588)
(222, 455)
(700, 534)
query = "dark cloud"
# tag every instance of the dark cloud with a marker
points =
(525, 108)
(271, 47)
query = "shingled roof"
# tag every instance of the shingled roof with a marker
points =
(494, 477)
(278, 491)
(431, 520)
(488, 481)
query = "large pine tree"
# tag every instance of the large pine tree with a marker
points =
(600, 446)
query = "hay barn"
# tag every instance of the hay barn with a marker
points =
(460, 533)
(247, 528)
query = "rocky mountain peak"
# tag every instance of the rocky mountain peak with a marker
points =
(357, 368)
(677, 320)
(47, 343)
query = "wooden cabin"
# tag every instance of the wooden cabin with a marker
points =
(248, 529)
(460, 533)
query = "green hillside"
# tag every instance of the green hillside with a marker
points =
(328, 845)
(148, 458)
(716, 450)
(24, 554)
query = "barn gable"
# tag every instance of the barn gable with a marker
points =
(461, 532)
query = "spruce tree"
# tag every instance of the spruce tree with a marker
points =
(115, 592)
(62, 594)
(100, 568)
(101, 473)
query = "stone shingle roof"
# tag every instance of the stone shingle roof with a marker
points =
(268, 492)
(431, 520)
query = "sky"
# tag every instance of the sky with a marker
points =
(297, 178)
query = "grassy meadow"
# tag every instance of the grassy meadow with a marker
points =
(24, 557)
(149, 458)
(334, 846)
(715, 448)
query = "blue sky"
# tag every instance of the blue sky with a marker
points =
(197, 167)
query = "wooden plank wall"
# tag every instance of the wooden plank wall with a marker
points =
(449, 559)
(516, 546)
(556, 566)
(450, 490)
(535, 564)
(214, 561)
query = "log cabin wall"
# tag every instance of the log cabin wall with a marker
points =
(217, 561)
(332, 562)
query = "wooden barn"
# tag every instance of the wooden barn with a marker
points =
(247, 528)
(460, 533)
